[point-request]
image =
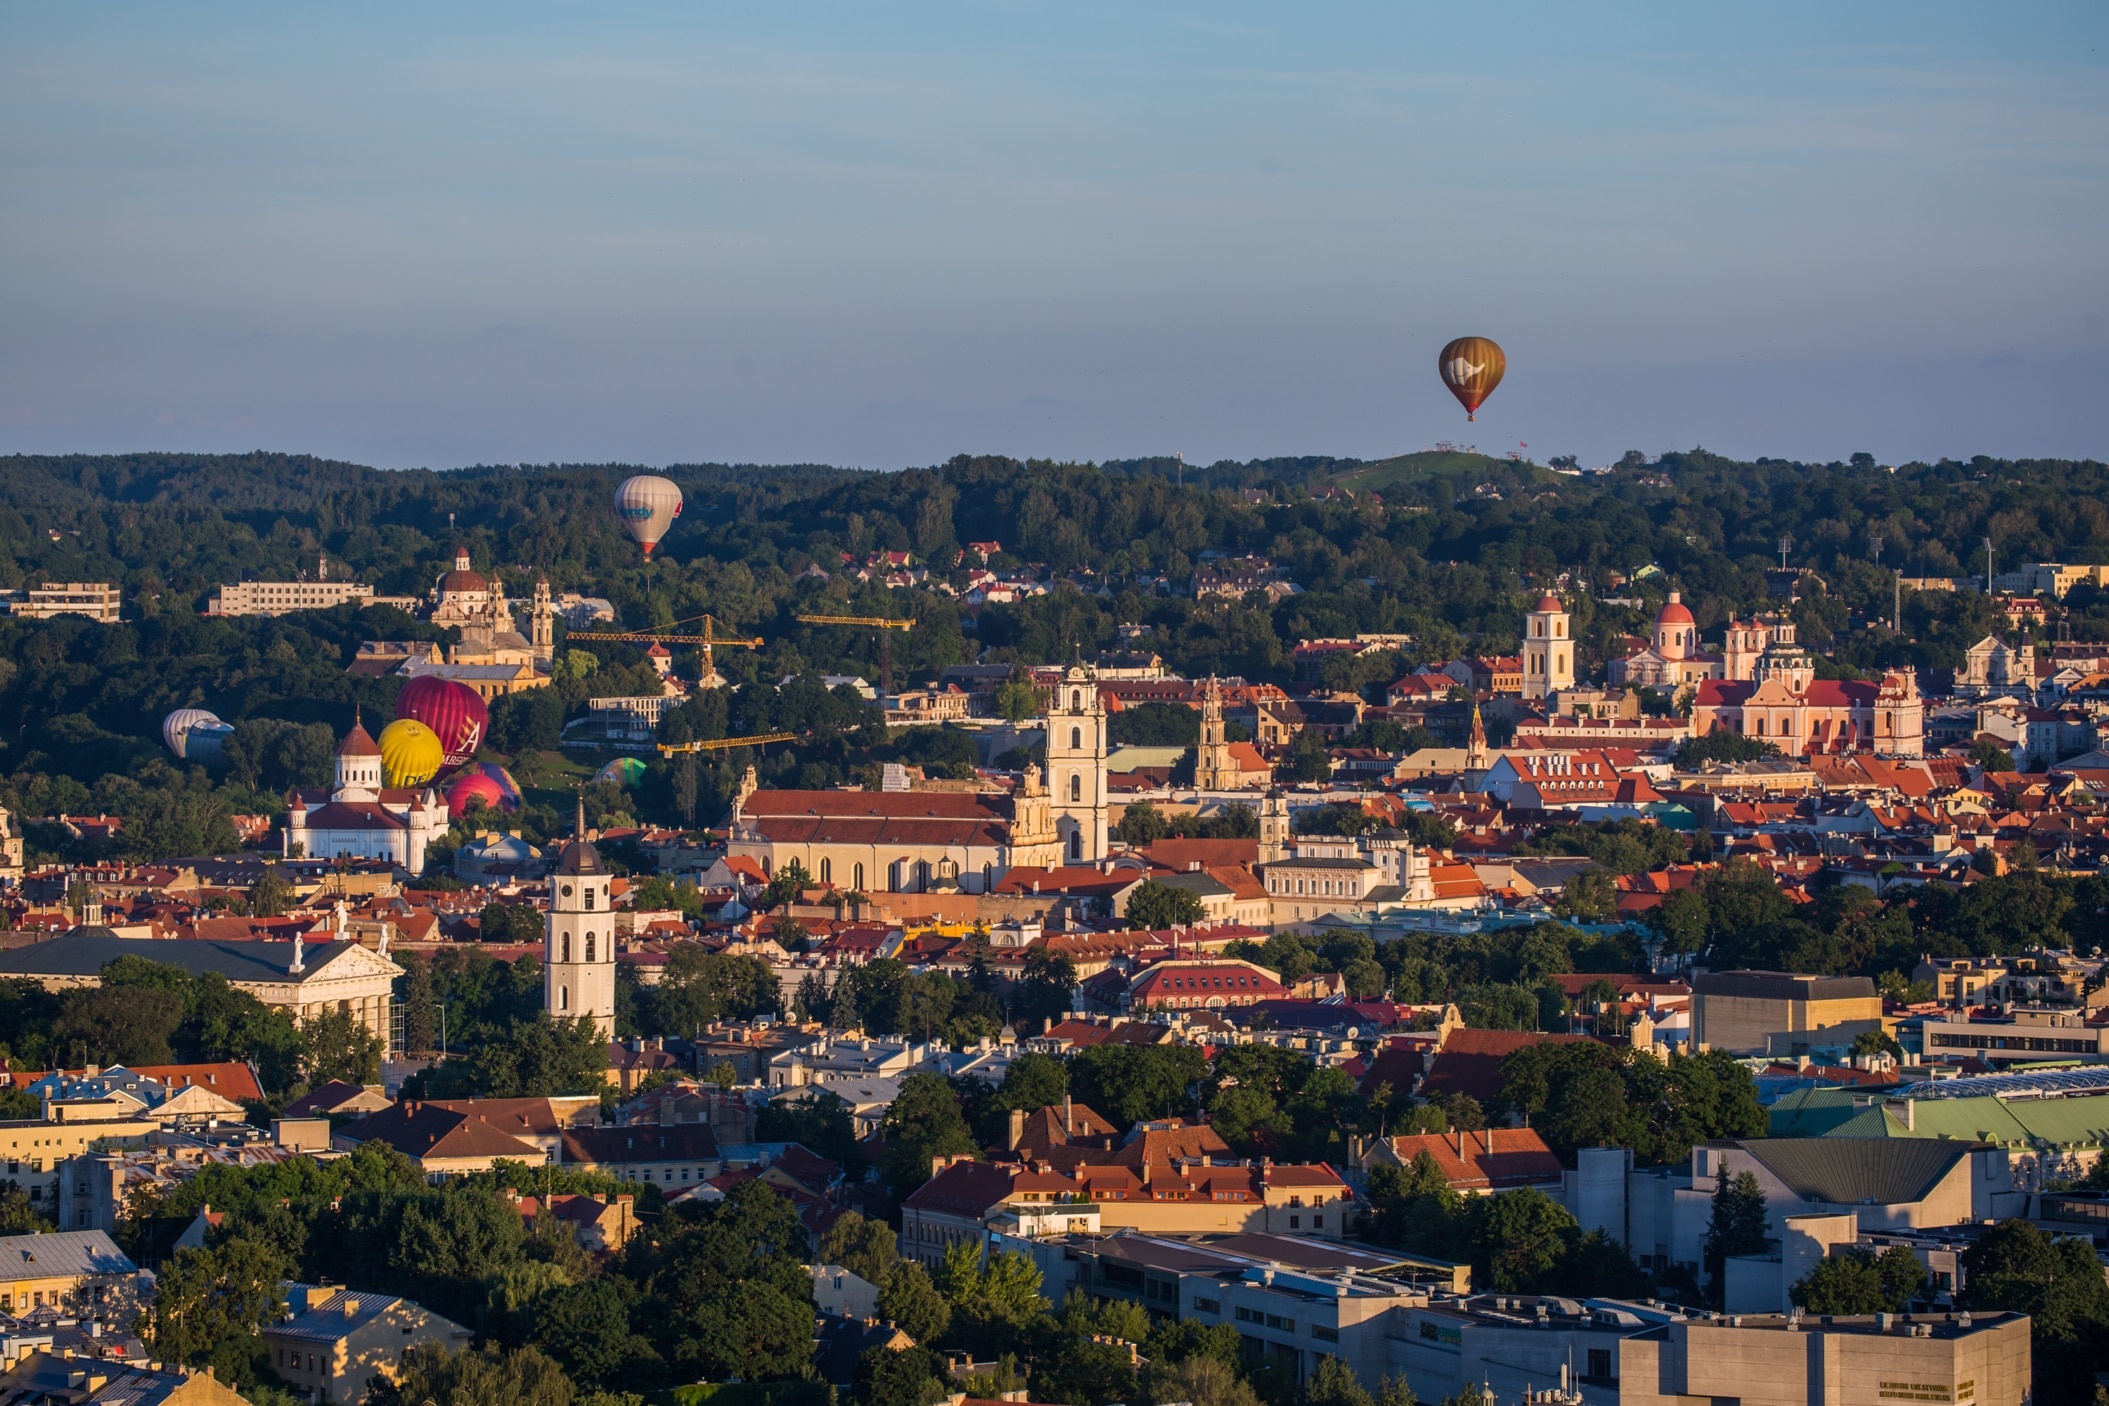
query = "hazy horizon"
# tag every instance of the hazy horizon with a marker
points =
(657, 235)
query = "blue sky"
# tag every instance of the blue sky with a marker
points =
(882, 235)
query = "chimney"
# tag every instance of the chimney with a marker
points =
(1911, 1115)
(1017, 1129)
(1068, 1117)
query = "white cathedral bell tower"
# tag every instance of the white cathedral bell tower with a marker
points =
(1076, 765)
(578, 958)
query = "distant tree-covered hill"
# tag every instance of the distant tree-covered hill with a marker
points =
(1452, 556)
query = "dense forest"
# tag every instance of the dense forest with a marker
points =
(1447, 548)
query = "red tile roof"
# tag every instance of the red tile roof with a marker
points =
(315, 1103)
(1470, 1060)
(1491, 1160)
(1182, 982)
(1179, 854)
(966, 1189)
(427, 1130)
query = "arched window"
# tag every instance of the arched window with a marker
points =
(590, 947)
(827, 871)
(1076, 701)
(1076, 739)
(856, 878)
(564, 948)
(563, 998)
(1076, 846)
(988, 878)
(1761, 727)
(1076, 786)
(922, 875)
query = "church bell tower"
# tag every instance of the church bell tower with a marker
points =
(578, 958)
(1076, 765)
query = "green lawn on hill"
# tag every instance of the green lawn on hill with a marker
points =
(1435, 470)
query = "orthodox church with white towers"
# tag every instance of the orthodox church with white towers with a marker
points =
(359, 818)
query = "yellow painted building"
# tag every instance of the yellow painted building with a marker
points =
(334, 1340)
(67, 1269)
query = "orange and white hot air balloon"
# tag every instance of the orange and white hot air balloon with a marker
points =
(648, 505)
(1471, 368)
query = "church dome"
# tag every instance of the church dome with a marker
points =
(1548, 603)
(461, 579)
(1674, 613)
(359, 743)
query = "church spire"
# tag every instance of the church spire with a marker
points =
(1476, 758)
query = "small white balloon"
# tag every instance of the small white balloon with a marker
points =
(648, 505)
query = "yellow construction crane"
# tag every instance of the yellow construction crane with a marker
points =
(709, 639)
(880, 623)
(725, 744)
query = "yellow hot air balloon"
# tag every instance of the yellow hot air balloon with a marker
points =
(411, 753)
(1471, 368)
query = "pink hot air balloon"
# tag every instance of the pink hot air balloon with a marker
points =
(454, 711)
(482, 781)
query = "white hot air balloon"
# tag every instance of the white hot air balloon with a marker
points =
(194, 735)
(648, 505)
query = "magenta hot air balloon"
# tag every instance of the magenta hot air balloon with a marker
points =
(485, 782)
(455, 712)
(647, 506)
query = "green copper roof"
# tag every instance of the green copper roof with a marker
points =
(2016, 1123)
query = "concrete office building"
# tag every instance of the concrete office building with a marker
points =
(285, 597)
(98, 600)
(2018, 1034)
(1792, 1360)
(1883, 1183)
(1294, 1302)
(1746, 1012)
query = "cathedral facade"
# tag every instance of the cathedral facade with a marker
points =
(464, 599)
(944, 841)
